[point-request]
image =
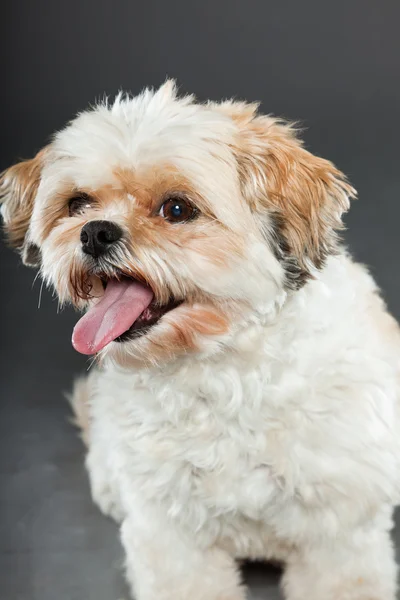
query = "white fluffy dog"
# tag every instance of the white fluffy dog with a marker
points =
(246, 399)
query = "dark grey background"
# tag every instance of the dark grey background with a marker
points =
(333, 65)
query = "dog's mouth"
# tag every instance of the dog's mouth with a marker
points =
(126, 311)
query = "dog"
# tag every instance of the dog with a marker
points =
(245, 402)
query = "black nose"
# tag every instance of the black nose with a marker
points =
(97, 237)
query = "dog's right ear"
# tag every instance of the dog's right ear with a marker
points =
(18, 188)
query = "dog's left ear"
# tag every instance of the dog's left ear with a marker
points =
(18, 188)
(297, 198)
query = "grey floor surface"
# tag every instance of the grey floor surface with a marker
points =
(54, 544)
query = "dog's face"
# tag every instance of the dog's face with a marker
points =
(173, 223)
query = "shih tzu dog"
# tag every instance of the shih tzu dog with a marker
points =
(246, 398)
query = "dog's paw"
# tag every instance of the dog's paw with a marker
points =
(106, 499)
(104, 494)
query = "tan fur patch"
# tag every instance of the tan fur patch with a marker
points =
(73, 230)
(80, 283)
(181, 331)
(18, 187)
(199, 320)
(150, 186)
(57, 208)
(307, 194)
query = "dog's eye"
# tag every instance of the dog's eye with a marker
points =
(78, 204)
(178, 210)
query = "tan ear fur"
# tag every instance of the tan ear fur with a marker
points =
(304, 195)
(18, 187)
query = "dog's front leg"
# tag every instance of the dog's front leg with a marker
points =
(357, 566)
(164, 563)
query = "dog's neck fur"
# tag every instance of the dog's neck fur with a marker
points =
(265, 334)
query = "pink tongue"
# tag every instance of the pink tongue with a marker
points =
(122, 303)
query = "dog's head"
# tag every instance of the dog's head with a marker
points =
(174, 223)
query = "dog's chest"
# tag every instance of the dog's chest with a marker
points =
(217, 452)
(238, 455)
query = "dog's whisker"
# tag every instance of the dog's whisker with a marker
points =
(91, 362)
(35, 279)
(40, 294)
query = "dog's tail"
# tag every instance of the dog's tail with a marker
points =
(79, 401)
